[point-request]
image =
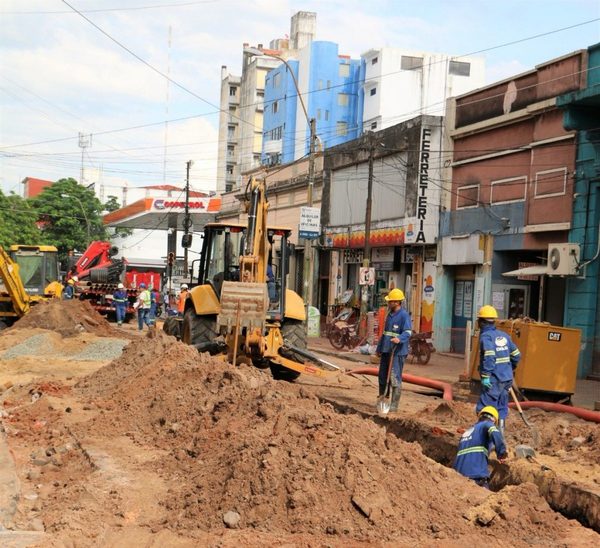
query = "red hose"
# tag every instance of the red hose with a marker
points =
(444, 387)
(586, 414)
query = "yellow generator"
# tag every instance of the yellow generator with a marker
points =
(549, 357)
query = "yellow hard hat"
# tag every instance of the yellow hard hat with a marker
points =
(71, 281)
(395, 295)
(490, 410)
(487, 312)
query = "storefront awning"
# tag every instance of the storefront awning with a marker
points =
(538, 270)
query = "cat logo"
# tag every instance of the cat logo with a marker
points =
(554, 336)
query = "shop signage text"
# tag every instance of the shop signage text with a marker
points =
(423, 184)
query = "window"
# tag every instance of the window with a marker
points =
(276, 79)
(326, 115)
(459, 68)
(276, 133)
(229, 169)
(228, 187)
(344, 71)
(320, 84)
(374, 60)
(372, 91)
(341, 128)
(318, 114)
(230, 150)
(343, 99)
(411, 63)
(230, 133)
(232, 91)
(373, 125)
(275, 107)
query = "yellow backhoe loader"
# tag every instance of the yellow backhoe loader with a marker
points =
(240, 306)
(29, 275)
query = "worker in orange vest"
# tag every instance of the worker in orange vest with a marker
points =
(183, 295)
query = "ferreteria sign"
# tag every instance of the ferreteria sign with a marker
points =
(423, 184)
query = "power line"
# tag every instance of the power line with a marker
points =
(152, 67)
(104, 10)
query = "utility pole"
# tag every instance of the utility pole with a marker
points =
(187, 222)
(308, 248)
(364, 297)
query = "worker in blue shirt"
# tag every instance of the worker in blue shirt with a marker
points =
(498, 358)
(476, 443)
(69, 291)
(396, 333)
(120, 302)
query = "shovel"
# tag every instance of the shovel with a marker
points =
(384, 402)
(526, 452)
(519, 408)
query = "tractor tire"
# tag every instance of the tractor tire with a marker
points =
(199, 329)
(294, 333)
(172, 326)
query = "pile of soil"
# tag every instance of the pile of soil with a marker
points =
(68, 318)
(274, 457)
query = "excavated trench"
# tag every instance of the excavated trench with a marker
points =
(564, 496)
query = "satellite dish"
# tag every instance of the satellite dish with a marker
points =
(554, 258)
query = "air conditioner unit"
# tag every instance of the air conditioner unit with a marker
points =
(563, 259)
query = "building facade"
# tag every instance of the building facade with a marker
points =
(407, 163)
(329, 84)
(509, 197)
(241, 117)
(399, 84)
(582, 303)
(228, 169)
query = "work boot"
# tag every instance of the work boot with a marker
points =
(395, 399)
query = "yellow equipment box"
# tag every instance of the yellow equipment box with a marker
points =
(549, 355)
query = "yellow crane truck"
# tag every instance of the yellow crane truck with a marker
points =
(29, 275)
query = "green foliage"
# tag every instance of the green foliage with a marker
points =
(72, 215)
(112, 204)
(17, 221)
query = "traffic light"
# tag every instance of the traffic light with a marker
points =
(186, 241)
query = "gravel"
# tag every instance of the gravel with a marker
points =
(104, 349)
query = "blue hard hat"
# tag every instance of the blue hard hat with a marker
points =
(142, 285)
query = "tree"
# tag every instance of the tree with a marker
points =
(72, 216)
(17, 221)
(112, 204)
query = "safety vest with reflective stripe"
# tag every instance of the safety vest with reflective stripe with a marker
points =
(473, 449)
(397, 324)
(499, 355)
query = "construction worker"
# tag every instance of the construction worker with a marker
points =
(120, 302)
(396, 333)
(153, 304)
(474, 447)
(143, 304)
(69, 291)
(498, 358)
(183, 295)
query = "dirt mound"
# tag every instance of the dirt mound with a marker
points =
(236, 441)
(67, 318)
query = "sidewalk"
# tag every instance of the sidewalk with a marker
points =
(444, 367)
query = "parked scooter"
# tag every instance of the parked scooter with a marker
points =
(420, 347)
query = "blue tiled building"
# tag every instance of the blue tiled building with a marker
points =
(582, 303)
(330, 85)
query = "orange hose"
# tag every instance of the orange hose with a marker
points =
(586, 414)
(444, 387)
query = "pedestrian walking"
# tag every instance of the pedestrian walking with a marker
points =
(472, 457)
(120, 303)
(143, 304)
(499, 357)
(153, 304)
(393, 346)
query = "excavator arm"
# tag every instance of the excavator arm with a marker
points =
(9, 272)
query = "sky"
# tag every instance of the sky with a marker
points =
(60, 75)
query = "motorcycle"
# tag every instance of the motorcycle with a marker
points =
(342, 334)
(420, 348)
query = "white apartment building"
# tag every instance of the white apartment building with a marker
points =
(228, 169)
(400, 84)
(241, 118)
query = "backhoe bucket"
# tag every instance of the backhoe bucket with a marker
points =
(253, 302)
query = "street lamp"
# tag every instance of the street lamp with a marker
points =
(87, 221)
(308, 249)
